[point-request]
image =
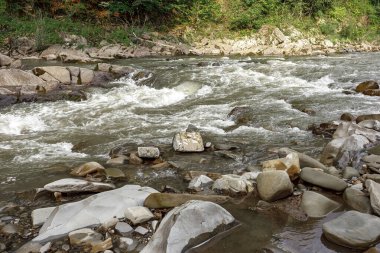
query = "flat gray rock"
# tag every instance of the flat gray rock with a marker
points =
(357, 200)
(353, 230)
(274, 185)
(39, 216)
(316, 205)
(324, 180)
(77, 185)
(92, 211)
(350, 172)
(374, 195)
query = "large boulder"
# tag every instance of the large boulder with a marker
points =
(316, 205)
(290, 164)
(374, 195)
(232, 185)
(357, 200)
(61, 74)
(353, 230)
(322, 179)
(16, 78)
(274, 185)
(92, 211)
(367, 85)
(188, 142)
(189, 225)
(77, 185)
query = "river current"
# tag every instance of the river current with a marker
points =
(41, 142)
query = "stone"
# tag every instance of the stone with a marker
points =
(45, 248)
(9, 229)
(29, 247)
(190, 175)
(118, 160)
(148, 152)
(85, 76)
(134, 159)
(169, 200)
(5, 60)
(123, 228)
(290, 164)
(316, 205)
(274, 185)
(115, 173)
(347, 117)
(74, 56)
(121, 70)
(350, 172)
(331, 151)
(104, 67)
(17, 64)
(232, 185)
(374, 177)
(241, 115)
(374, 195)
(141, 230)
(251, 176)
(188, 225)
(101, 246)
(357, 200)
(367, 85)
(197, 184)
(19, 78)
(39, 216)
(370, 124)
(127, 244)
(373, 162)
(138, 214)
(92, 211)
(304, 160)
(109, 223)
(88, 168)
(77, 185)
(368, 117)
(322, 179)
(58, 72)
(188, 142)
(353, 230)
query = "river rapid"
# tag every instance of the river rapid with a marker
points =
(40, 143)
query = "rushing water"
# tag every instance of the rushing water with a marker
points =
(41, 142)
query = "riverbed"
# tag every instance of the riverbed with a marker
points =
(41, 142)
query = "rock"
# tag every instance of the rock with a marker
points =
(304, 160)
(232, 185)
(371, 92)
(241, 115)
(347, 117)
(353, 230)
(138, 214)
(105, 67)
(30, 247)
(274, 185)
(17, 78)
(316, 205)
(17, 64)
(184, 227)
(74, 56)
(118, 160)
(321, 179)
(188, 142)
(169, 200)
(134, 159)
(331, 151)
(371, 124)
(92, 211)
(59, 73)
(45, 248)
(357, 200)
(333, 171)
(115, 173)
(190, 175)
(9, 229)
(368, 117)
(102, 246)
(374, 195)
(5, 60)
(374, 177)
(367, 85)
(88, 168)
(110, 223)
(127, 244)
(141, 230)
(121, 70)
(197, 184)
(77, 185)
(290, 164)
(123, 228)
(85, 76)
(39, 216)
(148, 152)
(350, 172)
(373, 162)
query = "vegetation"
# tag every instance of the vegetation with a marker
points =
(117, 20)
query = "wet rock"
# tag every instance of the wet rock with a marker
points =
(304, 160)
(241, 115)
(371, 124)
(197, 220)
(324, 129)
(373, 162)
(372, 92)
(88, 168)
(148, 152)
(84, 237)
(169, 200)
(134, 159)
(309, 111)
(115, 173)
(127, 244)
(5, 60)
(9, 229)
(141, 230)
(124, 229)
(188, 142)
(77, 185)
(350, 172)
(374, 195)
(104, 67)
(347, 117)
(197, 184)
(118, 160)
(368, 117)
(86, 76)
(59, 73)
(357, 200)
(121, 70)
(232, 185)
(274, 185)
(190, 175)
(290, 164)
(229, 155)
(374, 177)
(30, 247)
(138, 214)
(39, 216)
(102, 246)
(322, 179)
(316, 205)
(92, 211)
(353, 230)
(367, 85)
(227, 147)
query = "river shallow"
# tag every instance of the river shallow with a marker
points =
(41, 142)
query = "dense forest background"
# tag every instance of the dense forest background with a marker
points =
(186, 20)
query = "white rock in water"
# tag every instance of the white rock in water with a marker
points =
(148, 152)
(92, 211)
(232, 184)
(39, 216)
(185, 223)
(77, 185)
(138, 214)
(188, 142)
(198, 183)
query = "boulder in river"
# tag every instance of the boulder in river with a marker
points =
(188, 142)
(59, 73)
(353, 230)
(232, 185)
(92, 211)
(189, 225)
(374, 195)
(368, 117)
(77, 185)
(322, 179)
(274, 185)
(241, 115)
(197, 184)
(304, 160)
(347, 117)
(316, 205)
(148, 152)
(367, 85)
(357, 200)
(88, 168)
(290, 164)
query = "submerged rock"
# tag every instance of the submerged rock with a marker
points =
(189, 225)
(188, 142)
(353, 230)
(274, 185)
(322, 179)
(316, 205)
(77, 185)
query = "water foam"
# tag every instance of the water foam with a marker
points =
(17, 124)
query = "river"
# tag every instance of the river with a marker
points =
(41, 142)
